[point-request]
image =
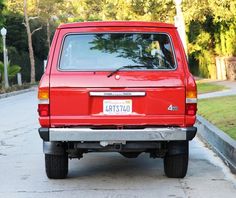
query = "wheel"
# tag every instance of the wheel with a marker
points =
(56, 166)
(130, 154)
(176, 160)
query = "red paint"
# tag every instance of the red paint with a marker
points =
(71, 104)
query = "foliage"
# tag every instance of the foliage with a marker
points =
(18, 47)
(225, 37)
(136, 47)
(210, 26)
(148, 10)
(1, 20)
(211, 32)
(1, 9)
(11, 69)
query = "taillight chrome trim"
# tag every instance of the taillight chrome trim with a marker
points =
(191, 100)
(118, 93)
(44, 101)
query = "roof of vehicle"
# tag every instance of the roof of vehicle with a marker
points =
(116, 24)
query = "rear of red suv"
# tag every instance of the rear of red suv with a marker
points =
(117, 87)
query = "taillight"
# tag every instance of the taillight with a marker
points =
(191, 103)
(43, 94)
(43, 105)
(43, 110)
(191, 109)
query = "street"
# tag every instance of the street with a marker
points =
(108, 175)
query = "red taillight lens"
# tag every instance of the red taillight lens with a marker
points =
(191, 109)
(191, 102)
(43, 110)
(43, 107)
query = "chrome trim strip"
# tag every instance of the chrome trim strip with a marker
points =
(191, 100)
(118, 93)
(87, 134)
(44, 101)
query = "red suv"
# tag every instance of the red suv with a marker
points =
(117, 87)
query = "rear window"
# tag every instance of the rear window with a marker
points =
(110, 51)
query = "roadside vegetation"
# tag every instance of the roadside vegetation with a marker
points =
(15, 88)
(206, 87)
(220, 112)
(30, 24)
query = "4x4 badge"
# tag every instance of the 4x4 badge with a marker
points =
(172, 108)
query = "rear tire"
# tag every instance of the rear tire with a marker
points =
(176, 164)
(56, 166)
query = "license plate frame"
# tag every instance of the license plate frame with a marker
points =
(117, 107)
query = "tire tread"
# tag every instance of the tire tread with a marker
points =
(176, 165)
(56, 166)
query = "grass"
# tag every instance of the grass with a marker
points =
(220, 112)
(205, 87)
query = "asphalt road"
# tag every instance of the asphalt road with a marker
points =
(107, 175)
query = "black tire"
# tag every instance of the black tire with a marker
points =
(176, 165)
(56, 166)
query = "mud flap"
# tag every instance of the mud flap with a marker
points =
(54, 148)
(177, 147)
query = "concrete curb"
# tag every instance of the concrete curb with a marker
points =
(14, 93)
(220, 142)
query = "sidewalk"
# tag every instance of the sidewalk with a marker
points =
(229, 84)
(14, 93)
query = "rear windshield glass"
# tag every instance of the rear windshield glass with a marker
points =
(110, 51)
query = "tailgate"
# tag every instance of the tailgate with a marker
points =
(84, 98)
(117, 78)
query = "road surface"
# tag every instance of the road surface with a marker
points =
(107, 175)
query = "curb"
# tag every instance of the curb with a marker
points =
(221, 143)
(14, 93)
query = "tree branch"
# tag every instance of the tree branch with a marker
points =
(23, 22)
(36, 30)
(32, 18)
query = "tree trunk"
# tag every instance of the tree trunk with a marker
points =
(48, 34)
(31, 50)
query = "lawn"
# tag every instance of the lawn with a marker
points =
(221, 112)
(206, 87)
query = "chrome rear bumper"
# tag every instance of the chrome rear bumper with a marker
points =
(147, 134)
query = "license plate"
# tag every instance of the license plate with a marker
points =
(117, 107)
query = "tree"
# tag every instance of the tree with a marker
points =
(11, 69)
(30, 45)
(1, 20)
(27, 8)
(48, 10)
(211, 31)
(210, 24)
(146, 10)
(136, 48)
(1, 9)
